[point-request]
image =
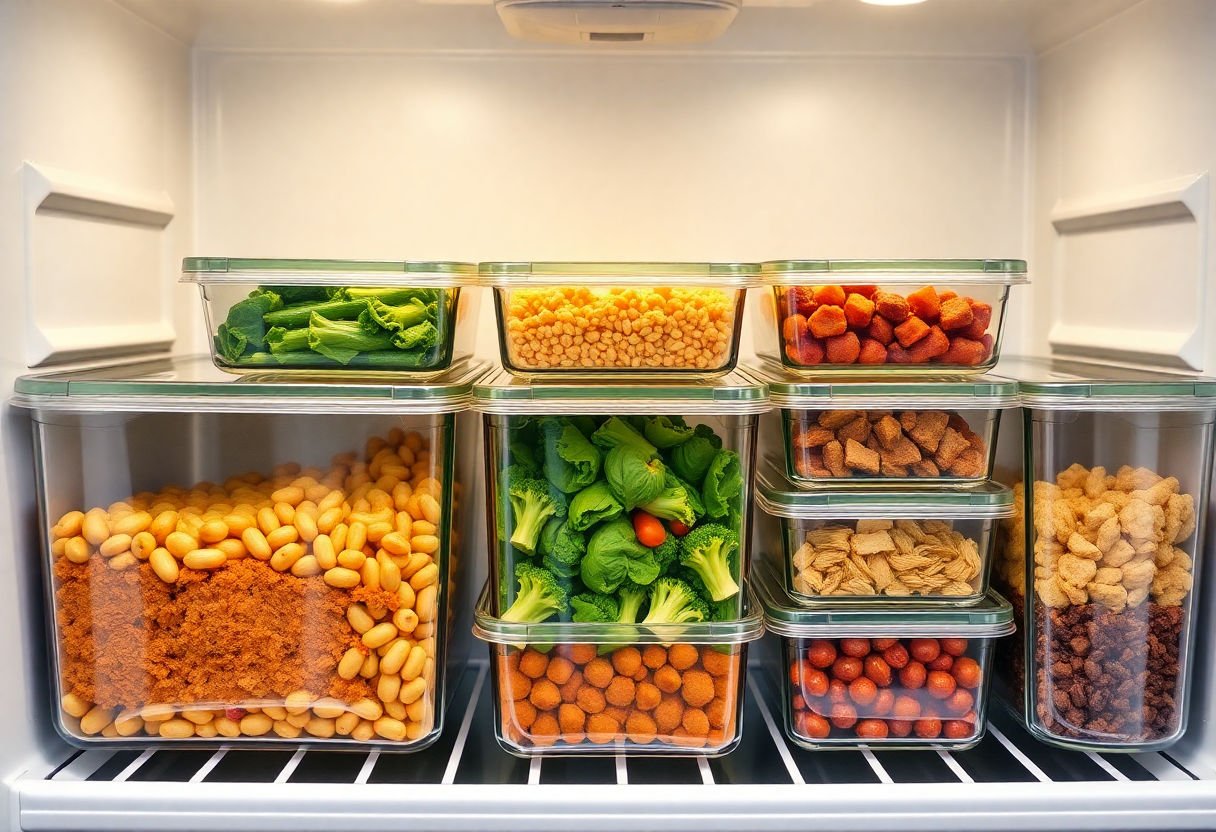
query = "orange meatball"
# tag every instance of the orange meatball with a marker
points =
(545, 695)
(626, 660)
(523, 714)
(714, 662)
(654, 656)
(533, 664)
(602, 728)
(640, 728)
(570, 690)
(647, 696)
(516, 685)
(620, 691)
(667, 678)
(698, 688)
(581, 653)
(544, 730)
(559, 670)
(682, 656)
(681, 737)
(590, 699)
(668, 714)
(570, 718)
(695, 722)
(598, 672)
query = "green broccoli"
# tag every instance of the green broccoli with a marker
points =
(616, 432)
(562, 547)
(594, 607)
(533, 502)
(672, 601)
(631, 597)
(707, 550)
(674, 502)
(667, 553)
(540, 596)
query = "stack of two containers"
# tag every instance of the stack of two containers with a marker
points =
(877, 514)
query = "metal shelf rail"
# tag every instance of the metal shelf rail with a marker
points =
(465, 782)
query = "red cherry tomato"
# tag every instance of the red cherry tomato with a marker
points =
(649, 530)
(678, 528)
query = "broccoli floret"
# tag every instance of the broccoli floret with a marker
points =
(707, 550)
(533, 502)
(562, 547)
(667, 552)
(540, 596)
(590, 607)
(672, 601)
(631, 598)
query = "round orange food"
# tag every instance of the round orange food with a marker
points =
(682, 656)
(667, 679)
(698, 688)
(626, 660)
(598, 672)
(620, 691)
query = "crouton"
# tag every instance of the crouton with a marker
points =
(843, 349)
(860, 458)
(880, 330)
(911, 331)
(809, 465)
(833, 459)
(872, 352)
(893, 307)
(969, 464)
(813, 437)
(925, 304)
(827, 321)
(858, 430)
(948, 294)
(888, 432)
(903, 453)
(981, 317)
(859, 310)
(888, 470)
(829, 295)
(953, 443)
(930, 347)
(925, 468)
(836, 419)
(898, 355)
(956, 314)
(929, 429)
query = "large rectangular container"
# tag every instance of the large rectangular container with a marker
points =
(909, 317)
(606, 487)
(933, 431)
(883, 678)
(407, 318)
(880, 548)
(672, 689)
(233, 562)
(1102, 558)
(619, 319)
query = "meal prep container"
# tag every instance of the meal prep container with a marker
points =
(911, 317)
(937, 431)
(222, 554)
(570, 465)
(400, 318)
(1112, 509)
(594, 689)
(880, 548)
(619, 319)
(883, 677)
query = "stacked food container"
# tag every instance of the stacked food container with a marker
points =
(620, 452)
(266, 558)
(877, 514)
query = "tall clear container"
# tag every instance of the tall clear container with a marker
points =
(1102, 558)
(231, 561)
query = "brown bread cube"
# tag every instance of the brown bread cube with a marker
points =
(809, 465)
(895, 309)
(833, 459)
(888, 431)
(903, 453)
(926, 468)
(858, 430)
(953, 443)
(888, 470)
(836, 419)
(907, 420)
(969, 463)
(956, 314)
(813, 437)
(860, 458)
(929, 430)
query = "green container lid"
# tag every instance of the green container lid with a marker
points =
(194, 385)
(236, 270)
(1054, 384)
(969, 272)
(732, 394)
(990, 618)
(718, 275)
(776, 497)
(883, 393)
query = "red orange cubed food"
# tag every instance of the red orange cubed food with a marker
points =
(843, 349)
(891, 306)
(925, 304)
(829, 295)
(827, 321)
(956, 314)
(911, 331)
(872, 352)
(981, 318)
(858, 310)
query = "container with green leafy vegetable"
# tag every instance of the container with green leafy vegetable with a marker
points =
(319, 315)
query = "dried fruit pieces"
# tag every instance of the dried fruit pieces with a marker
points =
(856, 443)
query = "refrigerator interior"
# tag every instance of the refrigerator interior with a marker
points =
(1077, 134)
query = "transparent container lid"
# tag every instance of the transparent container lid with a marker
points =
(874, 393)
(732, 394)
(522, 275)
(749, 627)
(803, 272)
(990, 618)
(1054, 384)
(193, 384)
(328, 272)
(775, 497)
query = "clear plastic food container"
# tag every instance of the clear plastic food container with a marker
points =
(235, 562)
(370, 317)
(861, 546)
(886, 316)
(673, 689)
(613, 319)
(933, 431)
(598, 495)
(1101, 560)
(883, 678)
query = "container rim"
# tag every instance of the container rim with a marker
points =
(304, 272)
(787, 390)
(1064, 384)
(992, 617)
(513, 275)
(798, 272)
(986, 501)
(494, 630)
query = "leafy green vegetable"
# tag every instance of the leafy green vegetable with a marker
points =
(673, 601)
(393, 296)
(524, 454)
(585, 424)
(614, 555)
(707, 551)
(287, 340)
(592, 505)
(421, 336)
(540, 596)
(376, 360)
(633, 476)
(294, 317)
(674, 502)
(533, 502)
(570, 461)
(594, 607)
(667, 431)
(379, 315)
(723, 483)
(561, 547)
(292, 295)
(691, 458)
(616, 432)
(342, 340)
(244, 330)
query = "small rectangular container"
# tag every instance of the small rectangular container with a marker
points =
(619, 319)
(579, 689)
(1102, 558)
(241, 563)
(881, 548)
(934, 431)
(884, 678)
(911, 317)
(410, 318)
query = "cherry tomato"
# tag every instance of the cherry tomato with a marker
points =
(967, 672)
(929, 729)
(838, 691)
(924, 649)
(913, 676)
(844, 715)
(863, 691)
(846, 668)
(814, 682)
(678, 528)
(943, 662)
(871, 729)
(883, 703)
(878, 671)
(899, 727)
(940, 684)
(956, 729)
(954, 646)
(811, 725)
(896, 655)
(959, 702)
(821, 653)
(880, 644)
(649, 530)
(856, 647)
(906, 707)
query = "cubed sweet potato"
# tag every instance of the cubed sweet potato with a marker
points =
(793, 328)
(947, 294)
(829, 295)
(911, 331)
(858, 310)
(956, 314)
(864, 291)
(827, 321)
(860, 458)
(925, 304)
(858, 430)
(880, 330)
(805, 353)
(891, 306)
(898, 355)
(872, 352)
(843, 349)
(833, 459)
(800, 300)
(981, 318)
(888, 431)
(987, 341)
(930, 347)
(963, 351)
